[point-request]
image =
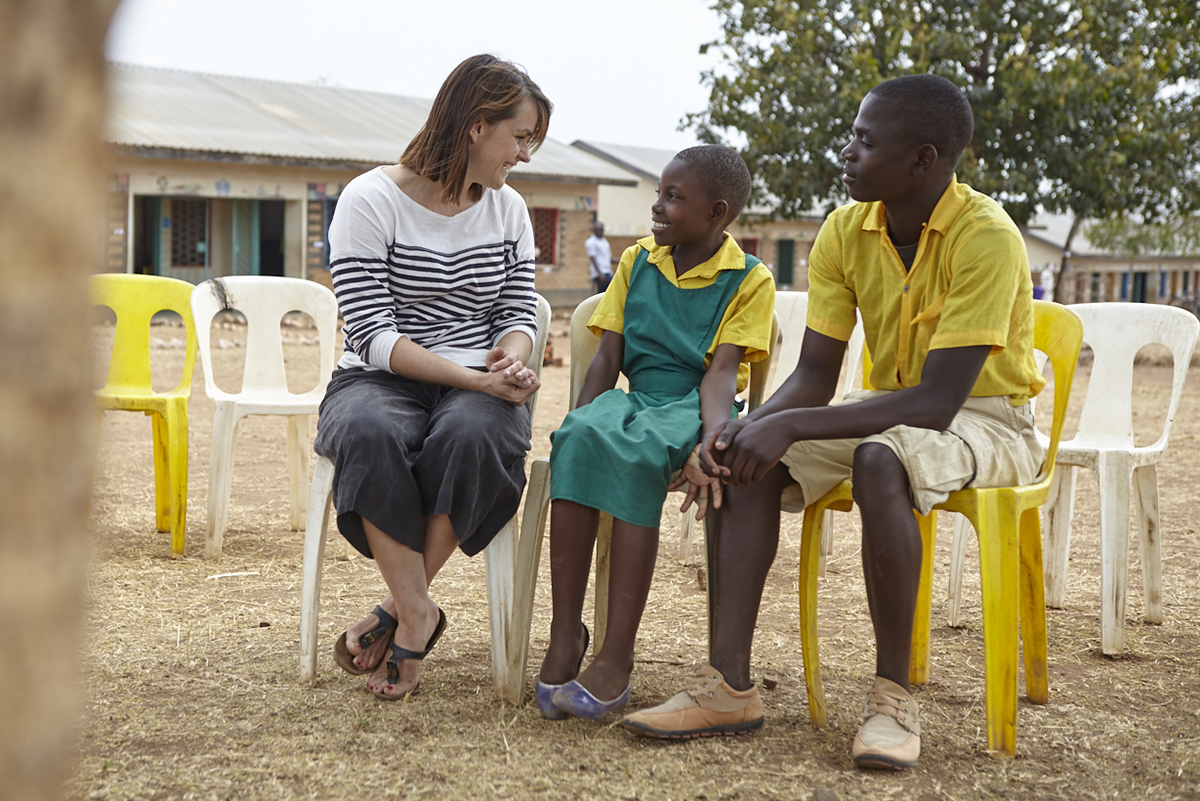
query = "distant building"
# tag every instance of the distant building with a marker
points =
(1096, 275)
(216, 175)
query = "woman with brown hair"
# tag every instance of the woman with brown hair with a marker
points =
(425, 419)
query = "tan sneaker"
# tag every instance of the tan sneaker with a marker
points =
(708, 707)
(890, 736)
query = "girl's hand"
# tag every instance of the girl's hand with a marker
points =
(700, 486)
(515, 389)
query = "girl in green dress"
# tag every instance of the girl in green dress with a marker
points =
(684, 315)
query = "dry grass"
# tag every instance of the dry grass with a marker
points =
(190, 666)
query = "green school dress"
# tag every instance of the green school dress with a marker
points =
(618, 452)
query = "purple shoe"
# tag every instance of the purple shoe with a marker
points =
(544, 693)
(575, 699)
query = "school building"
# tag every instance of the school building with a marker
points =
(217, 175)
(1096, 275)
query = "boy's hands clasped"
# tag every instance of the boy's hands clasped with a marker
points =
(741, 451)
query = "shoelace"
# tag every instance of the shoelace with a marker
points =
(903, 710)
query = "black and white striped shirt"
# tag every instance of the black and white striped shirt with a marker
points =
(454, 285)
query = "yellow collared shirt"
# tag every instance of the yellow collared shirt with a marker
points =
(746, 321)
(969, 285)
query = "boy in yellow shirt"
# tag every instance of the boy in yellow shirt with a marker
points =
(941, 278)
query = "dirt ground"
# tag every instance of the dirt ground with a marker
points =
(190, 666)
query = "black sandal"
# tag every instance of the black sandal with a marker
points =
(399, 654)
(345, 659)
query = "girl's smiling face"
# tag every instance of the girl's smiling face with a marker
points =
(682, 214)
(497, 147)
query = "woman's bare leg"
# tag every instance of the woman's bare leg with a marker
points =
(440, 543)
(405, 573)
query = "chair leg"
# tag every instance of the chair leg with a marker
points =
(918, 657)
(529, 554)
(603, 546)
(220, 476)
(177, 462)
(826, 543)
(958, 556)
(162, 471)
(687, 529)
(999, 581)
(500, 561)
(1033, 610)
(810, 555)
(314, 557)
(1113, 470)
(1059, 512)
(298, 450)
(1150, 536)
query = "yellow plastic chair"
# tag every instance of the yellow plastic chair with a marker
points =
(1010, 551)
(135, 299)
(584, 345)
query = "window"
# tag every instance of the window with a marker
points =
(545, 235)
(749, 246)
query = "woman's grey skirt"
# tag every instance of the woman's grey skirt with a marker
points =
(404, 450)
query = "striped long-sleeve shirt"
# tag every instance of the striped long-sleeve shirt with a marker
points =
(454, 285)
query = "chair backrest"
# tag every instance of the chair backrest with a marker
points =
(584, 345)
(135, 299)
(792, 310)
(264, 300)
(1058, 333)
(538, 355)
(1116, 332)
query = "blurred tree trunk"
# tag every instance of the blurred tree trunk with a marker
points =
(52, 166)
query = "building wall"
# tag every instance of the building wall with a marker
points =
(221, 183)
(561, 276)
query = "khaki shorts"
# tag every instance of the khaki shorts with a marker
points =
(990, 443)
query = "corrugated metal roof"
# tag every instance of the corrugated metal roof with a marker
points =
(165, 109)
(646, 162)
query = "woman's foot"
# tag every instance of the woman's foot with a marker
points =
(416, 633)
(366, 657)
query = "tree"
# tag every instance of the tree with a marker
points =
(1177, 236)
(51, 171)
(1084, 107)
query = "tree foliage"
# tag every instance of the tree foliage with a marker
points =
(1177, 236)
(1087, 107)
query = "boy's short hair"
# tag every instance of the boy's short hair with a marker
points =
(722, 173)
(930, 109)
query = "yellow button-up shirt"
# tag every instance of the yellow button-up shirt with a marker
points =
(969, 285)
(747, 318)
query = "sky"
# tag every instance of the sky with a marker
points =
(619, 71)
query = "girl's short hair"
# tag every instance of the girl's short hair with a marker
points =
(481, 88)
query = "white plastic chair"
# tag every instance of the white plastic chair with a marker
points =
(1104, 444)
(500, 561)
(263, 300)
